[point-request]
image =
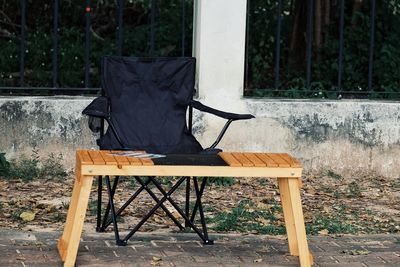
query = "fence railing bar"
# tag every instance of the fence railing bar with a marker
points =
(88, 12)
(310, 11)
(329, 91)
(121, 4)
(183, 28)
(371, 45)
(278, 42)
(33, 89)
(341, 46)
(55, 43)
(152, 26)
(291, 8)
(22, 44)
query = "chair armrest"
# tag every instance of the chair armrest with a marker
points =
(99, 107)
(226, 115)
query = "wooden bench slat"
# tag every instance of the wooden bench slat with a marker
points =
(134, 161)
(267, 160)
(292, 161)
(229, 159)
(281, 162)
(108, 158)
(146, 161)
(242, 159)
(84, 157)
(121, 160)
(96, 157)
(257, 162)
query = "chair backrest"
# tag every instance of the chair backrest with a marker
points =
(149, 98)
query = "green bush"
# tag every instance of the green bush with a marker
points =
(33, 167)
(4, 165)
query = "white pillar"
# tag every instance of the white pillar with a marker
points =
(219, 46)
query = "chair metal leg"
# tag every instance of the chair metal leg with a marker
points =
(99, 194)
(151, 212)
(187, 212)
(127, 203)
(203, 221)
(159, 203)
(114, 187)
(203, 185)
(162, 206)
(144, 186)
(119, 242)
(178, 209)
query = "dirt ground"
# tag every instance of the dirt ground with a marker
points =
(333, 205)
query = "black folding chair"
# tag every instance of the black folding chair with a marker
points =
(145, 103)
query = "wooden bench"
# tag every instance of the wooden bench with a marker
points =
(286, 169)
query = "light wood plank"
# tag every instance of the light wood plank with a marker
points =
(242, 159)
(229, 159)
(209, 171)
(294, 192)
(71, 210)
(255, 160)
(78, 220)
(267, 160)
(288, 216)
(84, 157)
(108, 158)
(96, 157)
(289, 159)
(281, 162)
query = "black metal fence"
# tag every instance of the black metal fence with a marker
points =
(294, 49)
(313, 50)
(148, 12)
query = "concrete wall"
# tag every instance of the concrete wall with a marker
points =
(345, 136)
(50, 125)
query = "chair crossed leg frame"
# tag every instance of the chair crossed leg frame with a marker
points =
(102, 224)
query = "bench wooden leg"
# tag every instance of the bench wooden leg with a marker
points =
(69, 242)
(293, 213)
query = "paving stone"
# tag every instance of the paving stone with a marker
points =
(353, 264)
(359, 258)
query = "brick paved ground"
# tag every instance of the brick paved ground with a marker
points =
(39, 249)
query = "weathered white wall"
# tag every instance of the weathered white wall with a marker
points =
(50, 125)
(345, 136)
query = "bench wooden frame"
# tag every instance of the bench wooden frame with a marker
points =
(282, 166)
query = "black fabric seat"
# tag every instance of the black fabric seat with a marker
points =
(146, 102)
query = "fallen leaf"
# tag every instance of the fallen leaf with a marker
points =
(323, 232)
(356, 252)
(156, 261)
(156, 258)
(27, 216)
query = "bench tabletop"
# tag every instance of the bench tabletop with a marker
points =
(235, 164)
(233, 159)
